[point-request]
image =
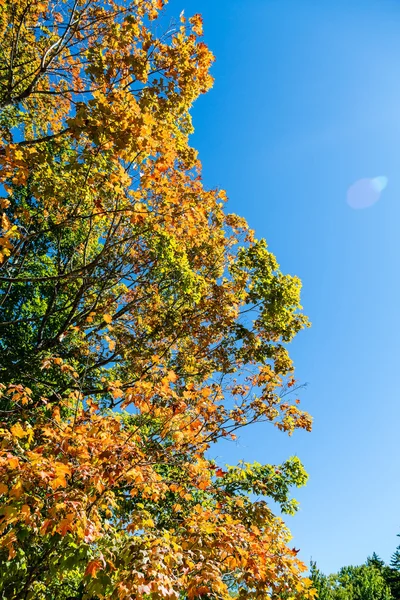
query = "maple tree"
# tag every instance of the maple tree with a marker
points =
(139, 324)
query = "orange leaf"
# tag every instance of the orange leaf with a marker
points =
(93, 567)
(13, 461)
(45, 526)
(203, 485)
(65, 525)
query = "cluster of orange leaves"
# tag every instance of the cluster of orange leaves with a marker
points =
(134, 358)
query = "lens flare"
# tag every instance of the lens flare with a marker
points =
(380, 183)
(366, 192)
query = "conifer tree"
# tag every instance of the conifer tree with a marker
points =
(395, 559)
(375, 561)
(393, 574)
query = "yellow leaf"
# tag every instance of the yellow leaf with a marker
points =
(18, 431)
(3, 488)
(172, 376)
(17, 490)
(107, 318)
(63, 469)
(58, 482)
(5, 222)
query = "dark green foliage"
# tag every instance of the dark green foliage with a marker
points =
(395, 559)
(375, 561)
(393, 574)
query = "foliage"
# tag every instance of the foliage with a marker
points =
(361, 583)
(321, 583)
(372, 581)
(351, 583)
(392, 574)
(139, 322)
(395, 559)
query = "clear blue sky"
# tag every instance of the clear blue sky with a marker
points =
(306, 102)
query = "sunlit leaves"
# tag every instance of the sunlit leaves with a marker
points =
(139, 324)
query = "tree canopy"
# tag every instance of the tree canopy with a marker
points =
(140, 323)
(374, 580)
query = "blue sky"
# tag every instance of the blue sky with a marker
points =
(306, 102)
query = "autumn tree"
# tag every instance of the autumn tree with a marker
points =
(139, 324)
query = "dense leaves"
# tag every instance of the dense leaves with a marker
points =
(139, 324)
(351, 583)
(373, 580)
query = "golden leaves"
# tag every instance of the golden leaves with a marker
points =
(66, 524)
(12, 461)
(61, 471)
(197, 24)
(17, 490)
(17, 431)
(132, 292)
(103, 454)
